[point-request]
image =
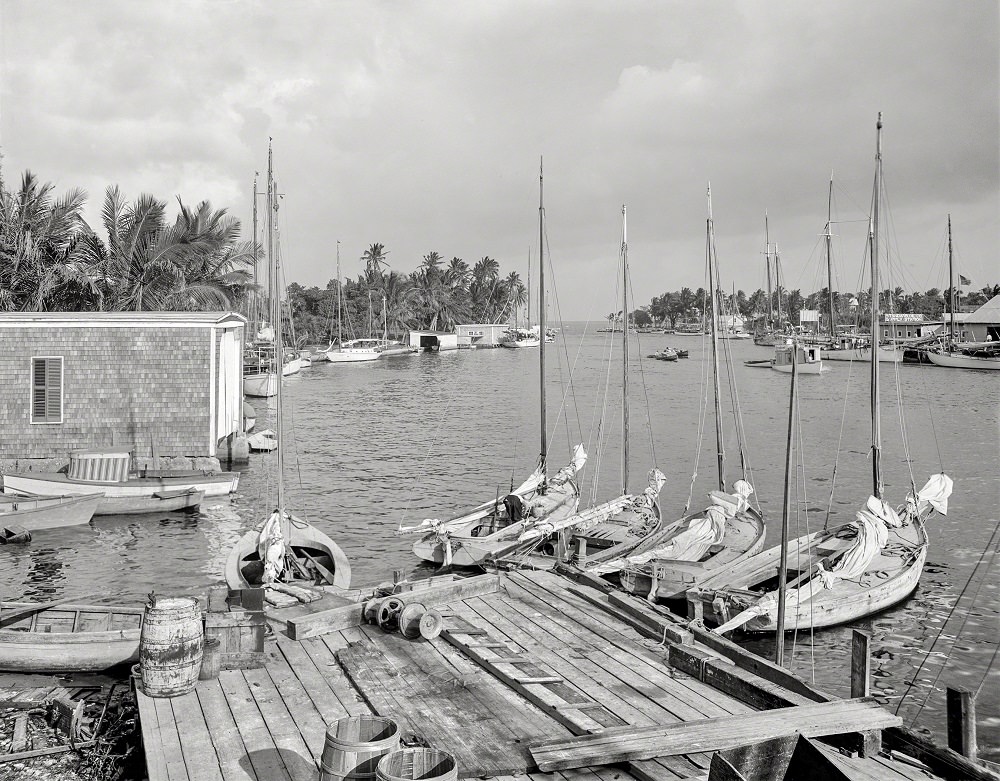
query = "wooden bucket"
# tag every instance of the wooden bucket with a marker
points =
(170, 646)
(411, 764)
(355, 745)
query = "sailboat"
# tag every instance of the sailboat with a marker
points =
(962, 355)
(840, 574)
(468, 539)
(668, 561)
(847, 347)
(260, 376)
(294, 561)
(609, 529)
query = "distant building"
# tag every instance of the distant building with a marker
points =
(132, 380)
(984, 323)
(433, 341)
(481, 334)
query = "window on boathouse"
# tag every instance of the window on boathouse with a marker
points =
(46, 390)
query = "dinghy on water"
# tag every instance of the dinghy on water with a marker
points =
(33, 512)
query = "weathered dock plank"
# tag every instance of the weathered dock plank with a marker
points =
(199, 754)
(632, 743)
(152, 743)
(229, 747)
(262, 753)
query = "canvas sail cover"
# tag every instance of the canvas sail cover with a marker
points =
(271, 548)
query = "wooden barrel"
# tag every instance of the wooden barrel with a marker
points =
(410, 764)
(170, 646)
(355, 745)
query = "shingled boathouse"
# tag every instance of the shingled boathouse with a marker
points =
(163, 383)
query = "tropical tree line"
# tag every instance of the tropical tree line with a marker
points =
(52, 259)
(687, 305)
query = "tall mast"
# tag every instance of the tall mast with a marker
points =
(873, 239)
(710, 250)
(829, 262)
(777, 282)
(624, 352)
(779, 637)
(340, 302)
(543, 455)
(527, 308)
(951, 291)
(275, 302)
(256, 305)
(770, 293)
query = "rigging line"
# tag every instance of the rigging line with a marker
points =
(562, 325)
(702, 419)
(937, 637)
(645, 389)
(840, 442)
(947, 658)
(805, 501)
(988, 668)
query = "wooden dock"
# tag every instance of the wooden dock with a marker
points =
(516, 676)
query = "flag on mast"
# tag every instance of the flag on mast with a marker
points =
(964, 280)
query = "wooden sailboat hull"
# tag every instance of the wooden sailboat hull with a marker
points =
(889, 580)
(57, 483)
(863, 354)
(243, 567)
(481, 533)
(816, 367)
(171, 501)
(34, 512)
(353, 356)
(671, 579)
(960, 361)
(69, 638)
(261, 386)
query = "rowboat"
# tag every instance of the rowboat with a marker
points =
(106, 472)
(183, 500)
(67, 637)
(34, 512)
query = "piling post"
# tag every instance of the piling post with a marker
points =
(962, 722)
(861, 664)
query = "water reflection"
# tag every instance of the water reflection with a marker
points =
(395, 441)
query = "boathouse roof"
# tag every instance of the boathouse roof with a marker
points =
(988, 313)
(119, 319)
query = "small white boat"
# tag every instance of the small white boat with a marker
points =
(261, 385)
(33, 511)
(808, 358)
(357, 351)
(516, 338)
(262, 441)
(106, 473)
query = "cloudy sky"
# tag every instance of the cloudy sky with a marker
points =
(419, 125)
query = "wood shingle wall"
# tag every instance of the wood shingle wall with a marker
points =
(125, 387)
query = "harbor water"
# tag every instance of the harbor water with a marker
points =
(370, 447)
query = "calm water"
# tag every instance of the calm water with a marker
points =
(373, 445)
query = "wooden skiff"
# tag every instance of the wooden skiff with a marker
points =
(67, 638)
(34, 512)
(185, 500)
(57, 483)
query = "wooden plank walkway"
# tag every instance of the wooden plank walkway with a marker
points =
(568, 669)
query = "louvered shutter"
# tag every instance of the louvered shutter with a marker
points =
(46, 390)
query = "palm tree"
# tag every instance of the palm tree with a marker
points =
(485, 278)
(40, 248)
(374, 258)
